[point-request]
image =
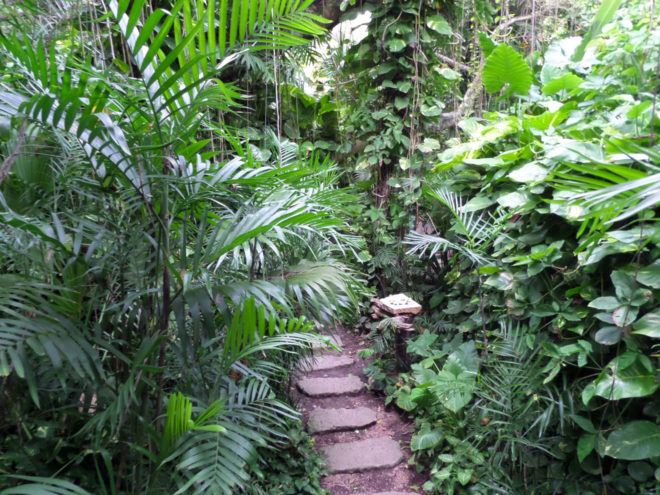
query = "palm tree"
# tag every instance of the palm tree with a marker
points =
(155, 271)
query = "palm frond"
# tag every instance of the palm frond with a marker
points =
(43, 486)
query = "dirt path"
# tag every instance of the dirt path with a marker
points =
(365, 459)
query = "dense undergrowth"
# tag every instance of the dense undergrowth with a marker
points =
(536, 368)
(183, 206)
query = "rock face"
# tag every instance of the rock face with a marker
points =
(363, 455)
(328, 387)
(328, 420)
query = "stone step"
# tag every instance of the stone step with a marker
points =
(328, 420)
(328, 387)
(329, 362)
(363, 455)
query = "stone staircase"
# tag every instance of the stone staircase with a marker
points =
(331, 396)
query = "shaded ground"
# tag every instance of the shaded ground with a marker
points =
(389, 424)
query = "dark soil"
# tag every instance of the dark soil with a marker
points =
(390, 423)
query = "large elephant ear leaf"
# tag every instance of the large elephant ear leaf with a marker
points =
(506, 67)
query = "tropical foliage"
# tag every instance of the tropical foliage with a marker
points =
(190, 191)
(550, 248)
(157, 291)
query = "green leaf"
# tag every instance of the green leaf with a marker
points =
(464, 476)
(429, 144)
(649, 325)
(422, 344)
(628, 375)
(607, 303)
(608, 335)
(566, 82)
(404, 86)
(624, 285)
(584, 423)
(640, 471)
(487, 44)
(438, 24)
(624, 316)
(501, 281)
(650, 275)
(585, 445)
(449, 74)
(401, 102)
(477, 203)
(515, 199)
(530, 172)
(505, 67)
(395, 45)
(603, 16)
(404, 401)
(427, 438)
(634, 441)
(44, 486)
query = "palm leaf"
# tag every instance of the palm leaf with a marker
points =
(44, 486)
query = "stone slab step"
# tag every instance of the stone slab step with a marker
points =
(329, 362)
(328, 420)
(363, 455)
(328, 387)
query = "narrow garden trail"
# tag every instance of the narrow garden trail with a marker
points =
(365, 444)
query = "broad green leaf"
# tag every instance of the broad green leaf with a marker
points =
(624, 315)
(608, 303)
(487, 44)
(395, 45)
(650, 275)
(608, 335)
(403, 400)
(431, 110)
(501, 281)
(452, 391)
(401, 102)
(585, 445)
(566, 82)
(628, 375)
(584, 423)
(464, 476)
(464, 358)
(624, 285)
(649, 325)
(640, 471)
(634, 441)
(422, 344)
(438, 24)
(477, 203)
(506, 67)
(429, 144)
(427, 438)
(449, 74)
(515, 199)
(530, 172)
